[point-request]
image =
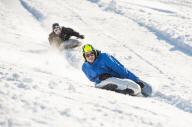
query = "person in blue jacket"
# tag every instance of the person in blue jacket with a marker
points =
(101, 66)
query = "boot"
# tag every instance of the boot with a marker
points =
(146, 89)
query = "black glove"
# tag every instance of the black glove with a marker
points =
(104, 76)
(81, 36)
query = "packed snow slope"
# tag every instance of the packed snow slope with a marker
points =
(40, 87)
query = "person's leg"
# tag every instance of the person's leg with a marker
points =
(120, 85)
(71, 43)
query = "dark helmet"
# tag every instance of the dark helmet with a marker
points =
(54, 25)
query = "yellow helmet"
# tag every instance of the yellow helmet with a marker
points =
(87, 48)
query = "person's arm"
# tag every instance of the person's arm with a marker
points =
(116, 66)
(89, 76)
(74, 33)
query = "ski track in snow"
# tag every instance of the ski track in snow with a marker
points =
(36, 13)
(22, 83)
(178, 43)
(180, 103)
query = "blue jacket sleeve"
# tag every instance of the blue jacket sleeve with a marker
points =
(96, 79)
(116, 66)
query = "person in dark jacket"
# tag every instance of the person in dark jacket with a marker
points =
(99, 67)
(60, 37)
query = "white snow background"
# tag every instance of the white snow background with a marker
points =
(40, 87)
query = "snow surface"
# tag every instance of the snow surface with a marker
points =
(40, 87)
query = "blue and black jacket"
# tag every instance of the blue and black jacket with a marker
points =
(106, 64)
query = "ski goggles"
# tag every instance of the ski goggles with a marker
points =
(87, 55)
